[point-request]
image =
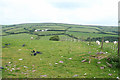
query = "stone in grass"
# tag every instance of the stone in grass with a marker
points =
(33, 70)
(84, 60)
(75, 75)
(56, 63)
(18, 68)
(98, 62)
(89, 52)
(85, 74)
(20, 59)
(110, 74)
(19, 49)
(13, 68)
(109, 65)
(43, 75)
(9, 62)
(117, 77)
(1, 67)
(102, 67)
(6, 65)
(70, 58)
(25, 67)
(60, 61)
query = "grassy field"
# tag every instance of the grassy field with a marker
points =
(53, 52)
(59, 59)
(83, 30)
(86, 35)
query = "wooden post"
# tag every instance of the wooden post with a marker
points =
(119, 29)
(102, 43)
(118, 46)
(89, 40)
(89, 59)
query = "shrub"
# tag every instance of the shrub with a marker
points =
(54, 38)
(114, 60)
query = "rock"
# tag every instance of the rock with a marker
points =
(9, 62)
(6, 65)
(84, 60)
(92, 55)
(98, 62)
(70, 58)
(3, 46)
(85, 74)
(56, 63)
(89, 52)
(60, 61)
(110, 74)
(75, 75)
(117, 77)
(89, 61)
(1, 67)
(102, 67)
(100, 53)
(109, 65)
(43, 75)
(108, 59)
(20, 59)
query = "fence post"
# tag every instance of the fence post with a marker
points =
(118, 46)
(102, 43)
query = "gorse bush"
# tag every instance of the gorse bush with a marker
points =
(55, 38)
(114, 60)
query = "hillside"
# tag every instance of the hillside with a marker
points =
(81, 32)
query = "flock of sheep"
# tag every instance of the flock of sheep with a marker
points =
(40, 30)
(98, 42)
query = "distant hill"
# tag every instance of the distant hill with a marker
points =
(71, 30)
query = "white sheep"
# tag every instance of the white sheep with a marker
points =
(36, 30)
(98, 42)
(42, 30)
(115, 42)
(106, 41)
(46, 29)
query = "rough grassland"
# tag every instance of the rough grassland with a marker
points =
(43, 65)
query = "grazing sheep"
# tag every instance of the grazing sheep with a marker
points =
(42, 30)
(36, 30)
(98, 42)
(106, 41)
(115, 42)
(31, 38)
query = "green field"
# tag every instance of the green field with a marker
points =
(68, 50)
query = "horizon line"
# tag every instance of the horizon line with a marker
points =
(62, 23)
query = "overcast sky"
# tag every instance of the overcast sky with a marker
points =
(92, 12)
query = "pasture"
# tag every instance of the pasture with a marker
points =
(67, 58)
